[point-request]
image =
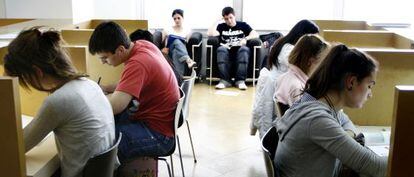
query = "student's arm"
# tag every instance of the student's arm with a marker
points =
(347, 124)
(119, 101)
(107, 89)
(164, 50)
(212, 31)
(252, 35)
(45, 121)
(327, 133)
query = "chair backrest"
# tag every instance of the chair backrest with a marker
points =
(178, 110)
(157, 37)
(187, 88)
(177, 116)
(269, 145)
(282, 107)
(103, 164)
(279, 107)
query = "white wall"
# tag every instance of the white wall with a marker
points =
(117, 9)
(2, 9)
(38, 9)
(197, 13)
(82, 10)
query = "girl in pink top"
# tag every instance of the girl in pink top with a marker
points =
(303, 60)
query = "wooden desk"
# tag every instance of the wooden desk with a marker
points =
(10, 21)
(344, 25)
(42, 160)
(367, 38)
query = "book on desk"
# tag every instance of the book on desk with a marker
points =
(377, 139)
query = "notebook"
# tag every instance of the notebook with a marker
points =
(171, 39)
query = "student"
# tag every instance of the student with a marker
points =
(303, 60)
(312, 136)
(175, 39)
(76, 109)
(140, 34)
(278, 57)
(146, 78)
(233, 38)
(263, 108)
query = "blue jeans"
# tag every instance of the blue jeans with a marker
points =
(235, 59)
(178, 53)
(139, 140)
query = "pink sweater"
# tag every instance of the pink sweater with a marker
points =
(290, 85)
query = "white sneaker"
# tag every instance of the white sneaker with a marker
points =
(222, 85)
(241, 85)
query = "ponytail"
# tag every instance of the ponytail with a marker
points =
(337, 65)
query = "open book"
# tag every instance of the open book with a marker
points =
(377, 139)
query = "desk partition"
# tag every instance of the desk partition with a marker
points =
(12, 161)
(344, 25)
(32, 100)
(94, 67)
(10, 21)
(129, 25)
(400, 161)
(368, 39)
(395, 68)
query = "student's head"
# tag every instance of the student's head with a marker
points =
(228, 16)
(38, 59)
(307, 53)
(178, 15)
(110, 42)
(349, 73)
(301, 28)
(140, 34)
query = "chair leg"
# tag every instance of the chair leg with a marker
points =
(191, 141)
(168, 166)
(172, 165)
(181, 158)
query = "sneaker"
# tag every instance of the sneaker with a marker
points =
(222, 84)
(241, 85)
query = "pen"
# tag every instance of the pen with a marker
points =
(99, 80)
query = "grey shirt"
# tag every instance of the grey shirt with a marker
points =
(81, 118)
(312, 139)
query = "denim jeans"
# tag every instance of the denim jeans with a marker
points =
(139, 140)
(235, 59)
(178, 53)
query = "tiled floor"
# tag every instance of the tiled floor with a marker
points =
(220, 128)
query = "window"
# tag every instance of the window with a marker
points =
(383, 11)
(282, 15)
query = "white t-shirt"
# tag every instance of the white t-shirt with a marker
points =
(283, 57)
(183, 33)
(82, 120)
